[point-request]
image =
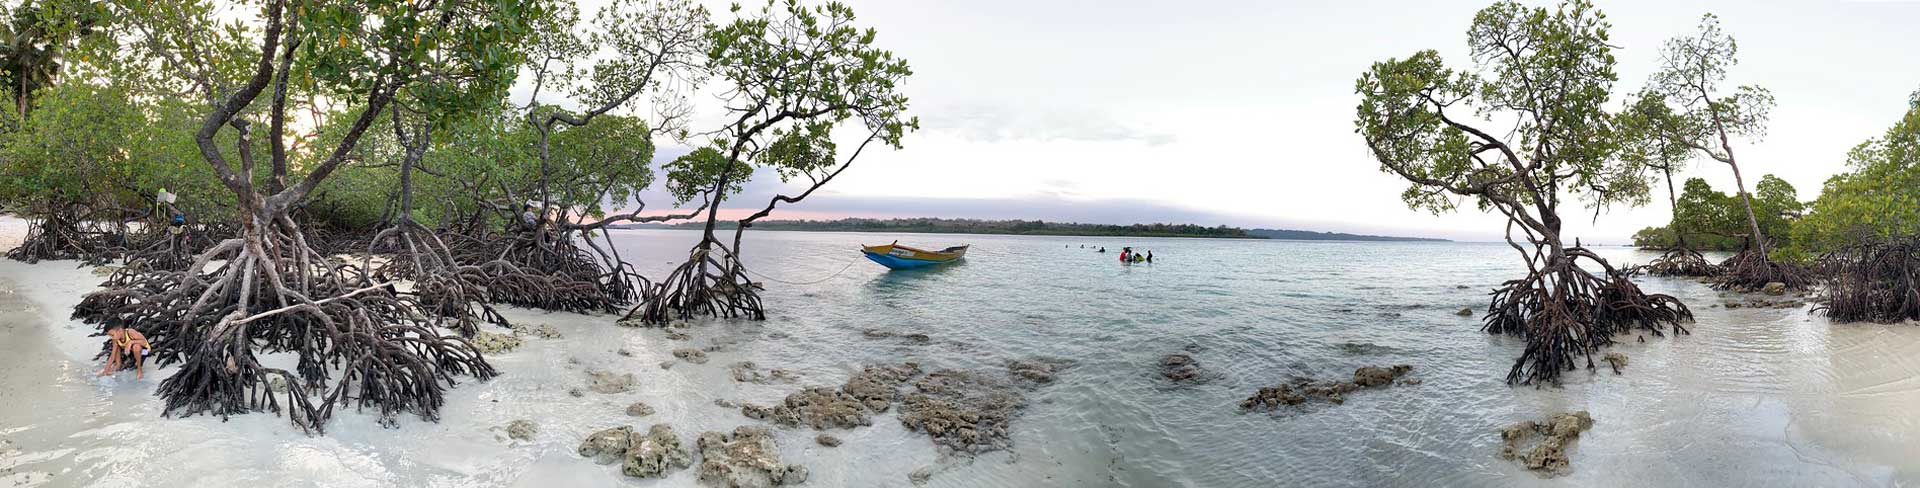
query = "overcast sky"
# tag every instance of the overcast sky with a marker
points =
(1241, 113)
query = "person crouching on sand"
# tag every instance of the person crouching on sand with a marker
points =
(129, 344)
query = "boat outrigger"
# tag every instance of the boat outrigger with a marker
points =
(897, 256)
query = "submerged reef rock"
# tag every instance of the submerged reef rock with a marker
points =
(606, 446)
(964, 412)
(655, 454)
(747, 372)
(639, 409)
(492, 343)
(1181, 368)
(747, 459)
(690, 355)
(608, 382)
(542, 331)
(877, 386)
(1304, 389)
(522, 430)
(1549, 454)
(1039, 370)
(819, 407)
(827, 440)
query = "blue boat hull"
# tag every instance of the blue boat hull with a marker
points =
(895, 262)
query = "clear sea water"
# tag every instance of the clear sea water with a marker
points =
(1754, 397)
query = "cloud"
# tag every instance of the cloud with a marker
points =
(986, 122)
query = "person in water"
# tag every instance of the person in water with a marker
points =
(1126, 254)
(127, 345)
(1149, 257)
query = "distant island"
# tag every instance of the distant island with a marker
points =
(1034, 228)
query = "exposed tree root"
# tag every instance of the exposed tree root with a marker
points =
(1874, 282)
(1567, 313)
(1681, 261)
(559, 275)
(70, 232)
(1751, 270)
(271, 292)
(705, 285)
(453, 294)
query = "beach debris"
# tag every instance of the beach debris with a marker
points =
(1304, 389)
(655, 454)
(747, 458)
(607, 382)
(1465, 312)
(639, 409)
(277, 384)
(747, 372)
(827, 440)
(606, 446)
(522, 430)
(691, 355)
(964, 412)
(1549, 454)
(1617, 360)
(542, 331)
(1181, 368)
(493, 343)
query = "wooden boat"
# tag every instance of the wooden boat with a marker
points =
(897, 256)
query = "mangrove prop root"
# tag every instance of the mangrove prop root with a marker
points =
(1681, 261)
(1751, 270)
(558, 274)
(70, 232)
(356, 342)
(1566, 313)
(705, 285)
(1873, 281)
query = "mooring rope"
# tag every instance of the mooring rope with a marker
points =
(843, 269)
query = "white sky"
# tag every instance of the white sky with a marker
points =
(1241, 113)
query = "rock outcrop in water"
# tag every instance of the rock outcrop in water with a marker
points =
(963, 412)
(492, 343)
(608, 382)
(747, 459)
(870, 391)
(1036, 370)
(747, 372)
(1182, 368)
(639, 409)
(1549, 454)
(655, 454)
(690, 355)
(522, 430)
(1304, 389)
(915, 339)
